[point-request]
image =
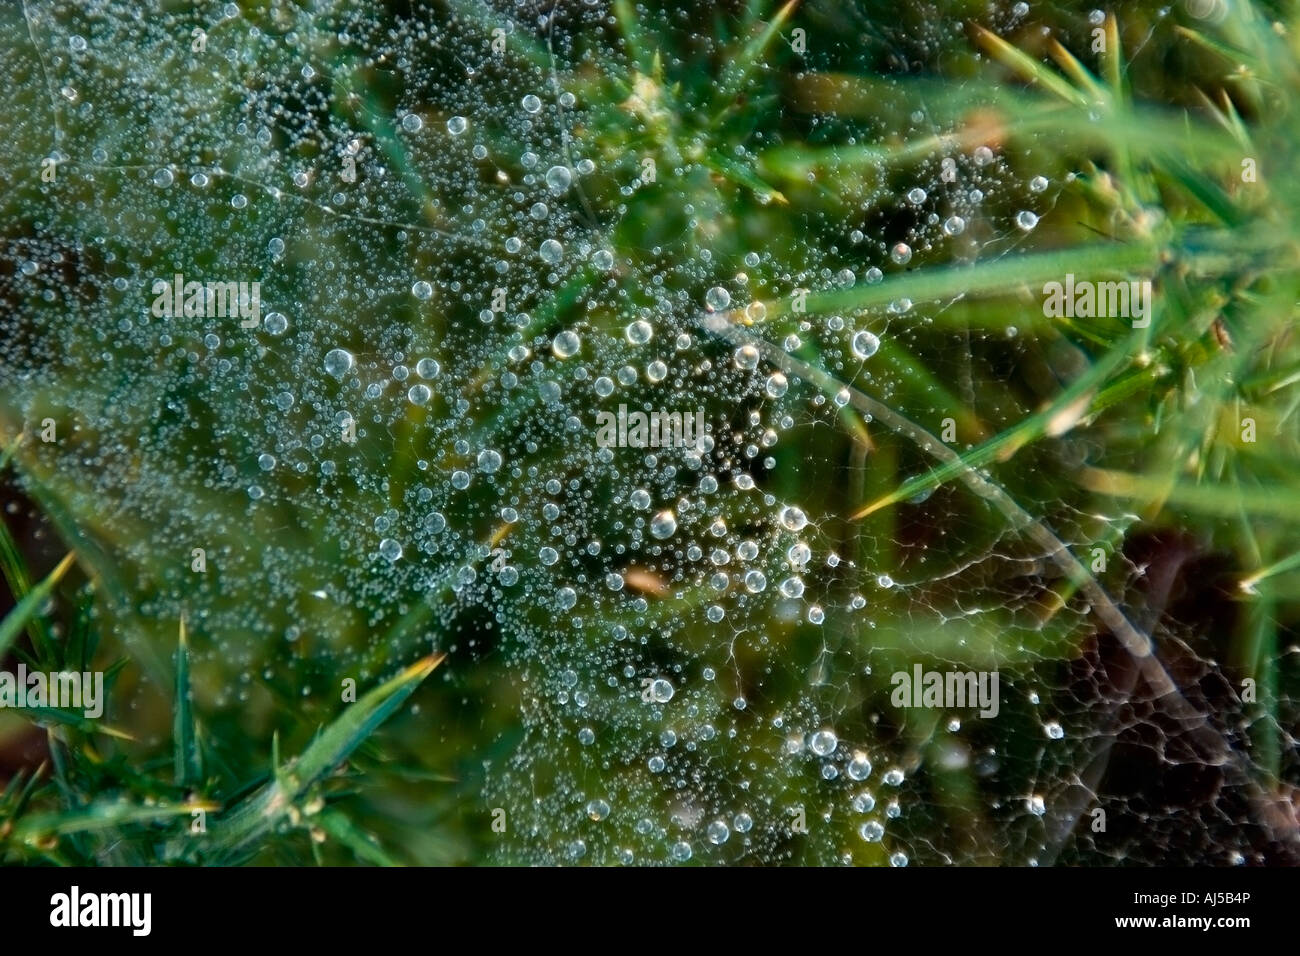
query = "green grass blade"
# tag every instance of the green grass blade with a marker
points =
(362, 844)
(97, 817)
(184, 735)
(261, 811)
(994, 276)
(1029, 69)
(737, 71)
(30, 604)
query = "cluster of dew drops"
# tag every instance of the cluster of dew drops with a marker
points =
(691, 520)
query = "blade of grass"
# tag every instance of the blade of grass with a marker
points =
(256, 815)
(989, 277)
(362, 844)
(737, 70)
(15, 574)
(70, 718)
(1029, 69)
(188, 769)
(30, 604)
(97, 817)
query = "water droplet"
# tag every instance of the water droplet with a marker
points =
(457, 125)
(566, 344)
(823, 743)
(793, 519)
(551, 252)
(663, 525)
(558, 179)
(661, 691)
(865, 344)
(859, 767)
(639, 332)
(338, 362)
(717, 299)
(389, 549)
(1026, 220)
(746, 357)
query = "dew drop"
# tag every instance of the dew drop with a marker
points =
(865, 344)
(338, 362)
(558, 179)
(551, 252)
(823, 743)
(566, 344)
(872, 831)
(663, 525)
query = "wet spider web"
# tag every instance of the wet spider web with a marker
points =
(657, 654)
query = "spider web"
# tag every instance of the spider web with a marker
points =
(656, 654)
